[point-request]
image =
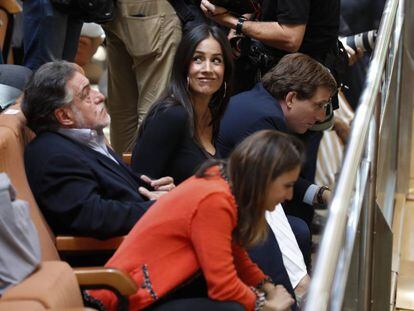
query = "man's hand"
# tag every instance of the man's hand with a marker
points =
(218, 14)
(302, 288)
(211, 10)
(161, 186)
(353, 56)
(278, 299)
(324, 200)
(231, 34)
(326, 196)
(342, 129)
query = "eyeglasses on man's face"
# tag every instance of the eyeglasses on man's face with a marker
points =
(322, 105)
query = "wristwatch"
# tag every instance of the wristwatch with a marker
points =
(239, 25)
(319, 194)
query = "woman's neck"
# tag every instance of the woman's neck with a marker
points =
(202, 117)
(202, 111)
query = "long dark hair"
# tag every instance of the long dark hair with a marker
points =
(251, 168)
(177, 92)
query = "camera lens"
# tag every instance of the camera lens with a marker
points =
(365, 40)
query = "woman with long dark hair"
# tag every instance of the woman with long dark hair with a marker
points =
(179, 131)
(191, 243)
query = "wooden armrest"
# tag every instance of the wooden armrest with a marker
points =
(126, 157)
(84, 244)
(11, 6)
(95, 277)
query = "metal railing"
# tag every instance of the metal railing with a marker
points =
(361, 209)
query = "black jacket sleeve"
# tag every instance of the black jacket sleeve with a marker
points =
(73, 200)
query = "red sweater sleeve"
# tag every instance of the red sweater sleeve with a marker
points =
(211, 234)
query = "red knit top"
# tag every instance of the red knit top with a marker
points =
(188, 230)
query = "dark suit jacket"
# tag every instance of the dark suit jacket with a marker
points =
(252, 111)
(80, 191)
(247, 113)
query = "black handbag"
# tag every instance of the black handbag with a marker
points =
(90, 11)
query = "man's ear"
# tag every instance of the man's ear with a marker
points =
(289, 99)
(64, 116)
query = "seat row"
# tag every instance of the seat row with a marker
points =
(54, 285)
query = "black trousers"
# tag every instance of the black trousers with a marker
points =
(193, 296)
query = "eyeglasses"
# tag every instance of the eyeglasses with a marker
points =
(322, 105)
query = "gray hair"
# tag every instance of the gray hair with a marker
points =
(45, 92)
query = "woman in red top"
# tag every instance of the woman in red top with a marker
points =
(191, 242)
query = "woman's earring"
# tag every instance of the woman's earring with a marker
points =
(188, 83)
(225, 89)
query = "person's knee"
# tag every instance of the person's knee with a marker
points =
(302, 232)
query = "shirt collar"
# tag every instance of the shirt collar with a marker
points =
(84, 136)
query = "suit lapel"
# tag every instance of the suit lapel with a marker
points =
(119, 169)
(126, 168)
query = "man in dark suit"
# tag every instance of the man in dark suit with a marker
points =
(80, 184)
(291, 98)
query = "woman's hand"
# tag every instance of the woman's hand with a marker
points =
(268, 288)
(278, 299)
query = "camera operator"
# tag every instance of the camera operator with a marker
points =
(287, 26)
(358, 17)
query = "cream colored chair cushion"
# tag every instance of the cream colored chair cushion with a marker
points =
(21, 305)
(53, 285)
(14, 135)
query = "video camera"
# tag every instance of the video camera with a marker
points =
(254, 50)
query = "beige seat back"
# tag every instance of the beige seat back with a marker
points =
(53, 285)
(21, 305)
(14, 136)
(7, 9)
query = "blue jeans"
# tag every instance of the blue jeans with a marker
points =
(48, 34)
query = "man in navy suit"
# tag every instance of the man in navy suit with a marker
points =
(291, 98)
(80, 184)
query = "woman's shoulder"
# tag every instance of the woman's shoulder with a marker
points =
(213, 186)
(215, 198)
(173, 110)
(168, 115)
